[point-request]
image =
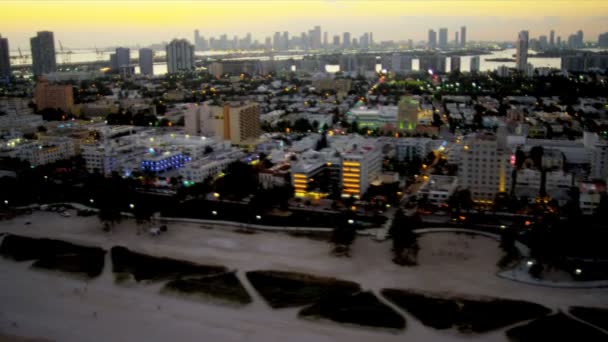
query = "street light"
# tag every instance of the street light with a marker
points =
(132, 206)
(578, 271)
(91, 200)
(6, 202)
(258, 217)
(530, 263)
(214, 212)
(351, 221)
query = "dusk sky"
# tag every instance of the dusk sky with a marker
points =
(128, 22)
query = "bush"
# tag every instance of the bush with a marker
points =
(558, 327)
(361, 308)
(55, 255)
(465, 314)
(149, 268)
(595, 316)
(224, 288)
(290, 289)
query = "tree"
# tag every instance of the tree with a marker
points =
(143, 214)
(405, 241)
(343, 236)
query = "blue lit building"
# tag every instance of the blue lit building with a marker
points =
(160, 162)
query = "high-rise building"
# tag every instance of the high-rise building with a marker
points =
(543, 42)
(371, 39)
(602, 40)
(485, 164)
(521, 45)
(285, 41)
(559, 41)
(454, 63)
(53, 96)
(180, 56)
(197, 40)
(240, 122)
(276, 41)
(5, 61)
(401, 62)
(348, 63)
(475, 64)
(433, 63)
(456, 40)
(315, 37)
(432, 42)
(121, 61)
(407, 113)
(443, 38)
(146, 61)
(360, 165)
(463, 36)
(552, 38)
(346, 40)
(325, 39)
(336, 41)
(43, 53)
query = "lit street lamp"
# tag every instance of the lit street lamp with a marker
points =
(92, 201)
(578, 271)
(132, 206)
(214, 213)
(351, 221)
(258, 217)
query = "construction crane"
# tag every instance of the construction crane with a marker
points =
(66, 54)
(22, 58)
(99, 54)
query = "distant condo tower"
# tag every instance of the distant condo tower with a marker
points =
(43, 53)
(146, 61)
(180, 56)
(522, 51)
(443, 38)
(463, 36)
(475, 63)
(5, 62)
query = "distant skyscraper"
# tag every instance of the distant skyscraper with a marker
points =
(268, 43)
(522, 51)
(315, 38)
(285, 41)
(401, 62)
(146, 61)
(463, 36)
(454, 63)
(43, 53)
(5, 62)
(552, 38)
(456, 40)
(559, 41)
(371, 39)
(434, 63)
(197, 40)
(276, 41)
(443, 38)
(325, 39)
(180, 56)
(336, 41)
(602, 40)
(346, 40)
(432, 39)
(475, 63)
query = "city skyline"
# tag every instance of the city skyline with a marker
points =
(114, 22)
